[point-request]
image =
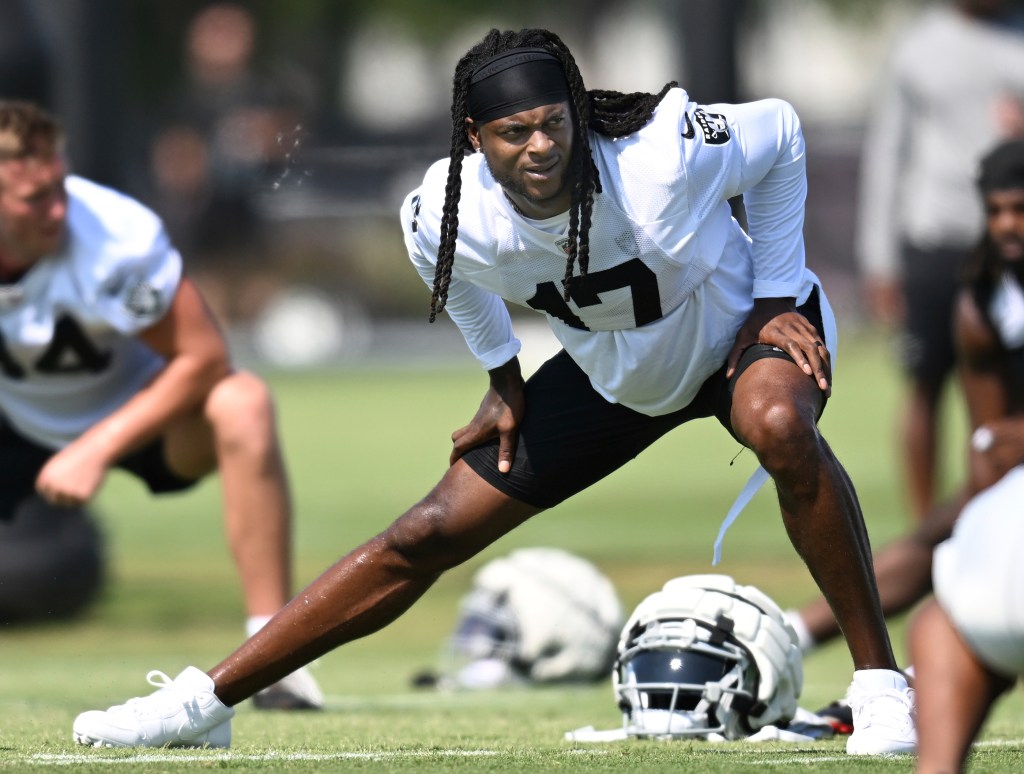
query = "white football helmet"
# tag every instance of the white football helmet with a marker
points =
(704, 656)
(538, 615)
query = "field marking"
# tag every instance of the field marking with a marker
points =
(172, 756)
(72, 759)
(807, 760)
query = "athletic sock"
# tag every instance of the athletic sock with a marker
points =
(254, 623)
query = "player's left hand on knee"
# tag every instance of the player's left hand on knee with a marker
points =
(776, 322)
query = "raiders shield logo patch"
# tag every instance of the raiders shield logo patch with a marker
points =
(143, 300)
(714, 127)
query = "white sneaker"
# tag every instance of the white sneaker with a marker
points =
(184, 712)
(883, 714)
(297, 691)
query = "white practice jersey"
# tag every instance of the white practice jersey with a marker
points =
(69, 355)
(979, 578)
(672, 275)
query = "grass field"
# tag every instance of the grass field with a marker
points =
(361, 447)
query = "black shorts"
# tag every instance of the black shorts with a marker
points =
(931, 279)
(571, 437)
(22, 459)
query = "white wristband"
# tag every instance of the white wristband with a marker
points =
(982, 439)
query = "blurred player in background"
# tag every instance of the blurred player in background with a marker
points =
(919, 218)
(989, 335)
(225, 133)
(608, 213)
(110, 358)
(967, 644)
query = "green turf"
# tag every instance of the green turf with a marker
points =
(361, 447)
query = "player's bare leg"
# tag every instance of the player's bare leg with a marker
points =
(920, 442)
(954, 691)
(774, 410)
(257, 502)
(903, 572)
(237, 435)
(903, 576)
(377, 582)
(362, 592)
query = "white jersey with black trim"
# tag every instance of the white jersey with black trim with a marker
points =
(69, 355)
(672, 275)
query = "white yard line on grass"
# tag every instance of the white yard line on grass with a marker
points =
(785, 760)
(69, 759)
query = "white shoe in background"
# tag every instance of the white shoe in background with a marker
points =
(297, 691)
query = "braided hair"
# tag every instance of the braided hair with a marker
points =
(608, 113)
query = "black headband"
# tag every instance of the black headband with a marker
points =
(515, 80)
(1003, 168)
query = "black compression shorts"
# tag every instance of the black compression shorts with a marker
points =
(22, 459)
(931, 279)
(571, 437)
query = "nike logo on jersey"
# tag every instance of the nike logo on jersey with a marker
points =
(689, 133)
(713, 126)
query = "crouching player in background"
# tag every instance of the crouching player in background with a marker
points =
(110, 358)
(967, 644)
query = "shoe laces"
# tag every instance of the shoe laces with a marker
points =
(890, 707)
(163, 699)
(158, 679)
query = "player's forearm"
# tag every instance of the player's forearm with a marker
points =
(181, 388)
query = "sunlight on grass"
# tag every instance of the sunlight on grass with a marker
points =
(363, 446)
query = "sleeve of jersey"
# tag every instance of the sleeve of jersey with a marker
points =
(481, 316)
(137, 290)
(766, 163)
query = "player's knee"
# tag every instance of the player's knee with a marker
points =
(241, 410)
(782, 433)
(422, 540)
